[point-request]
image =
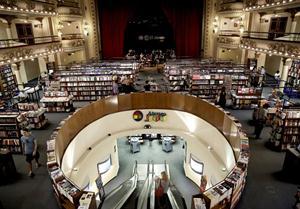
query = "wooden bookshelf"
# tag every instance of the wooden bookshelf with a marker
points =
(285, 130)
(10, 133)
(8, 84)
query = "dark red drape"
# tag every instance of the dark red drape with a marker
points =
(113, 22)
(186, 23)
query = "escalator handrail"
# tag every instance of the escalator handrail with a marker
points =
(143, 193)
(125, 197)
(173, 201)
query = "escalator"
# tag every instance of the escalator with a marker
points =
(126, 195)
(138, 192)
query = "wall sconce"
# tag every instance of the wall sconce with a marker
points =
(242, 29)
(215, 25)
(59, 33)
(85, 29)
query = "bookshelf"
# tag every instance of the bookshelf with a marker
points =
(285, 130)
(293, 79)
(10, 133)
(34, 114)
(207, 77)
(8, 84)
(57, 101)
(92, 82)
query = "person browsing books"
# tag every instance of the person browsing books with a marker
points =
(29, 145)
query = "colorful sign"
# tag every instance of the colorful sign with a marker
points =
(137, 115)
(156, 116)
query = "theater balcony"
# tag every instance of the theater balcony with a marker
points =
(69, 9)
(228, 39)
(15, 50)
(272, 37)
(72, 42)
(280, 44)
(34, 8)
(269, 5)
(226, 6)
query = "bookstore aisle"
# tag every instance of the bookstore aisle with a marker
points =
(263, 188)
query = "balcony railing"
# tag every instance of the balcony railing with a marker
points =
(231, 1)
(7, 43)
(67, 3)
(273, 36)
(229, 33)
(270, 4)
(72, 36)
(45, 1)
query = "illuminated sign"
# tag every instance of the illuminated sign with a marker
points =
(156, 116)
(137, 115)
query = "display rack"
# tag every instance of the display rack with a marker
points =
(34, 114)
(285, 130)
(57, 101)
(178, 78)
(8, 84)
(10, 132)
(246, 97)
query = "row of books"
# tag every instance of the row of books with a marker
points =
(63, 84)
(9, 133)
(56, 94)
(293, 114)
(86, 78)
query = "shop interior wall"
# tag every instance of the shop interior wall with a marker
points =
(273, 64)
(3, 30)
(230, 54)
(72, 57)
(297, 19)
(32, 69)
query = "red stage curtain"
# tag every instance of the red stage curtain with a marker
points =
(186, 22)
(113, 22)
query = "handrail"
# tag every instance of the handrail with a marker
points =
(143, 197)
(6, 43)
(274, 36)
(236, 33)
(72, 36)
(67, 3)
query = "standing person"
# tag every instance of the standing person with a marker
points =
(115, 87)
(263, 75)
(277, 77)
(30, 150)
(260, 115)
(162, 186)
(222, 97)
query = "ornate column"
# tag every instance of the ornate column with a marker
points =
(284, 72)
(18, 75)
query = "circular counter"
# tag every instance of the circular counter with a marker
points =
(89, 137)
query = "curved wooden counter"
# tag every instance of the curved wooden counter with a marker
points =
(172, 101)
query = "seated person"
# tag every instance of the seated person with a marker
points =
(147, 86)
